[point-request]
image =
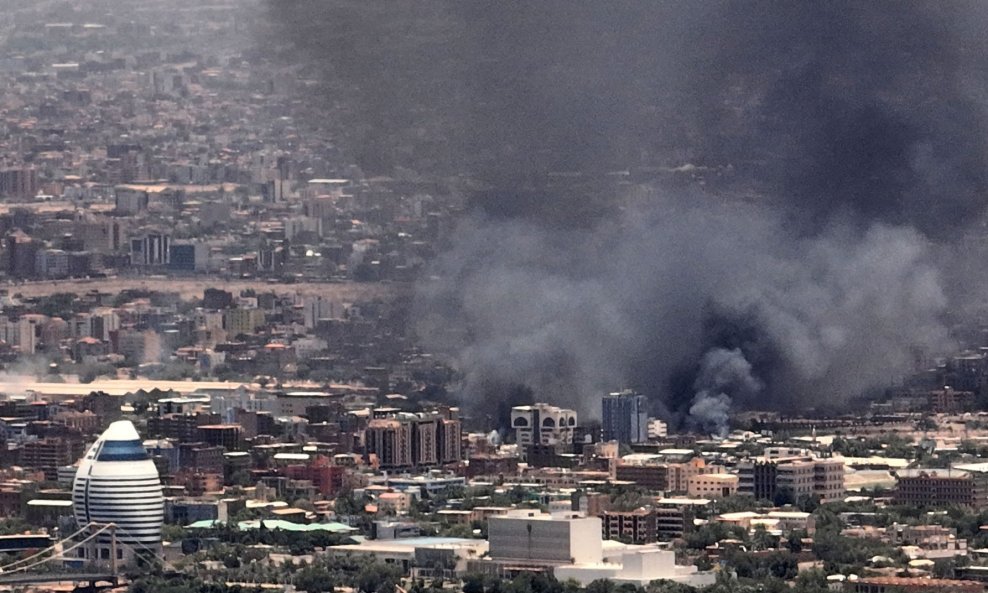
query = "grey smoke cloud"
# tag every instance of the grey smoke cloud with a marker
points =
(711, 412)
(668, 289)
(723, 373)
(842, 146)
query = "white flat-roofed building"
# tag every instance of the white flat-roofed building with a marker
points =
(534, 536)
(638, 565)
(571, 546)
(422, 552)
(294, 403)
(677, 454)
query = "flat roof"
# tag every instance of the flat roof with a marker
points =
(738, 516)
(155, 188)
(892, 462)
(641, 457)
(408, 544)
(424, 480)
(697, 501)
(49, 503)
(305, 394)
(113, 387)
(788, 514)
(977, 468)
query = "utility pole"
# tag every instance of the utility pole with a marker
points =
(113, 548)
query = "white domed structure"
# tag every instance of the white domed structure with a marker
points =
(118, 483)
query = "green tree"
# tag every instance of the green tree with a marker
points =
(473, 583)
(664, 586)
(795, 541)
(811, 581)
(761, 539)
(601, 586)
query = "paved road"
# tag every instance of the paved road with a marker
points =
(23, 578)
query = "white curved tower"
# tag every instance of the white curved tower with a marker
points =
(118, 483)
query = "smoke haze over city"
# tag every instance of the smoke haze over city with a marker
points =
(719, 204)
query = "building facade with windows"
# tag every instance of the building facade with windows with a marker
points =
(118, 483)
(542, 423)
(625, 417)
(799, 477)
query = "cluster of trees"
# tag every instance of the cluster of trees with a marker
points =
(888, 445)
(779, 565)
(760, 555)
(713, 532)
(813, 581)
(839, 553)
(329, 572)
(760, 562)
(183, 584)
(297, 543)
(237, 563)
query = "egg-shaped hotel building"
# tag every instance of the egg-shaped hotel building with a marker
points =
(118, 483)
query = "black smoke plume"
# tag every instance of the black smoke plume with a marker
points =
(722, 204)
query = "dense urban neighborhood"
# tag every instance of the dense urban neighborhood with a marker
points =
(216, 375)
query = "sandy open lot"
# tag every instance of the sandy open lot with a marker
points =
(194, 287)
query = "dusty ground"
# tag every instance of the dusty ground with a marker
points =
(194, 287)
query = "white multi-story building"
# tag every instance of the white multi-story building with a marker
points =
(534, 536)
(657, 429)
(572, 546)
(542, 423)
(118, 483)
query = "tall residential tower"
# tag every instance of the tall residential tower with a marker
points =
(625, 417)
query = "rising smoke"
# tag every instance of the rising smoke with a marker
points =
(795, 177)
(722, 372)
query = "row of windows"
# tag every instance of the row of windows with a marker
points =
(115, 507)
(123, 498)
(143, 490)
(136, 529)
(152, 480)
(151, 514)
(146, 538)
(135, 532)
(118, 495)
(153, 485)
(522, 422)
(112, 515)
(122, 451)
(131, 524)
